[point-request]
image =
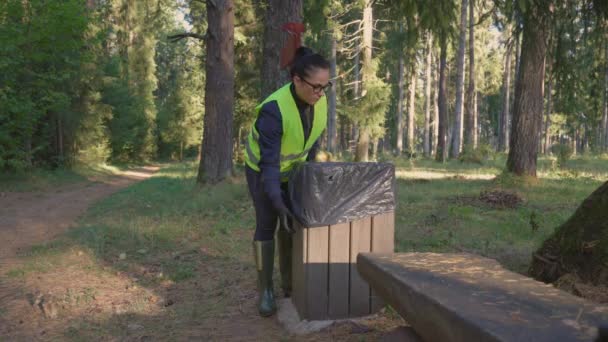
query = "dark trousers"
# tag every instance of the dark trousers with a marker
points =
(266, 216)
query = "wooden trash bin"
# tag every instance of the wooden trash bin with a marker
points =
(326, 283)
(341, 209)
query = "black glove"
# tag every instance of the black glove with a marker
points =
(286, 218)
(286, 222)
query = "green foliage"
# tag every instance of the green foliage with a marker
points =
(179, 99)
(369, 110)
(478, 155)
(42, 49)
(563, 152)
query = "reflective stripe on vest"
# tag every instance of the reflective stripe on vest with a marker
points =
(294, 148)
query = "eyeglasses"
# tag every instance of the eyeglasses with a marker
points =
(318, 88)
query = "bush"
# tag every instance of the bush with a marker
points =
(563, 152)
(482, 153)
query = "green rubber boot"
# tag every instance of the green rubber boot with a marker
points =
(285, 242)
(264, 260)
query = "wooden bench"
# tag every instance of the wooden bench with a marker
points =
(464, 297)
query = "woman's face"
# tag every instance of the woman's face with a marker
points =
(310, 88)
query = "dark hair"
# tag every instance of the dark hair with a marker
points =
(305, 60)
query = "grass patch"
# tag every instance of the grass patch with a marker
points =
(445, 215)
(157, 221)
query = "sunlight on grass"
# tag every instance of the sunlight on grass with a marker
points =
(439, 209)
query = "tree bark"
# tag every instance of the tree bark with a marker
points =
(549, 109)
(362, 153)
(60, 137)
(528, 105)
(503, 135)
(427, 96)
(400, 97)
(458, 122)
(436, 106)
(470, 132)
(518, 44)
(374, 149)
(604, 143)
(278, 12)
(216, 156)
(332, 133)
(441, 154)
(411, 115)
(354, 129)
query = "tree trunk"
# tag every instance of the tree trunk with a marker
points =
(470, 132)
(332, 132)
(411, 115)
(28, 151)
(216, 157)
(181, 151)
(604, 143)
(442, 100)
(362, 154)
(375, 143)
(585, 142)
(547, 144)
(400, 96)
(427, 96)
(506, 101)
(60, 153)
(436, 106)
(528, 105)
(354, 131)
(362, 150)
(458, 122)
(579, 245)
(278, 12)
(576, 142)
(517, 55)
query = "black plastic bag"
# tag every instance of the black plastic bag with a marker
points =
(322, 194)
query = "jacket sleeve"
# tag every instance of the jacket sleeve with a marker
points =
(270, 128)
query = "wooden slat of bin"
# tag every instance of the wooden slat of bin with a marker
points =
(317, 257)
(383, 241)
(360, 235)
(298, 269)
(339, 254)
(383, 233)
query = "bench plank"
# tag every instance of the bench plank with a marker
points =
(464, 297)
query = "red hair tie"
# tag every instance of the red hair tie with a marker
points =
(294, 41)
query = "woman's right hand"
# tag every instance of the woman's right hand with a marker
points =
(285, 216)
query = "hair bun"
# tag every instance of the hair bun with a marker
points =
(303, 51)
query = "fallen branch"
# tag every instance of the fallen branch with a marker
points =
(177, 37)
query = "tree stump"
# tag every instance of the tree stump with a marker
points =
(578, 246)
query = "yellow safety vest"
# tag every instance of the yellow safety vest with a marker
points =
(294, 149)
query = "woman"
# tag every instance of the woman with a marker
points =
(289, 123)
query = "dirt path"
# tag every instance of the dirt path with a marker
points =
(31, 218)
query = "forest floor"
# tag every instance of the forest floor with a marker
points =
(155, 257)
